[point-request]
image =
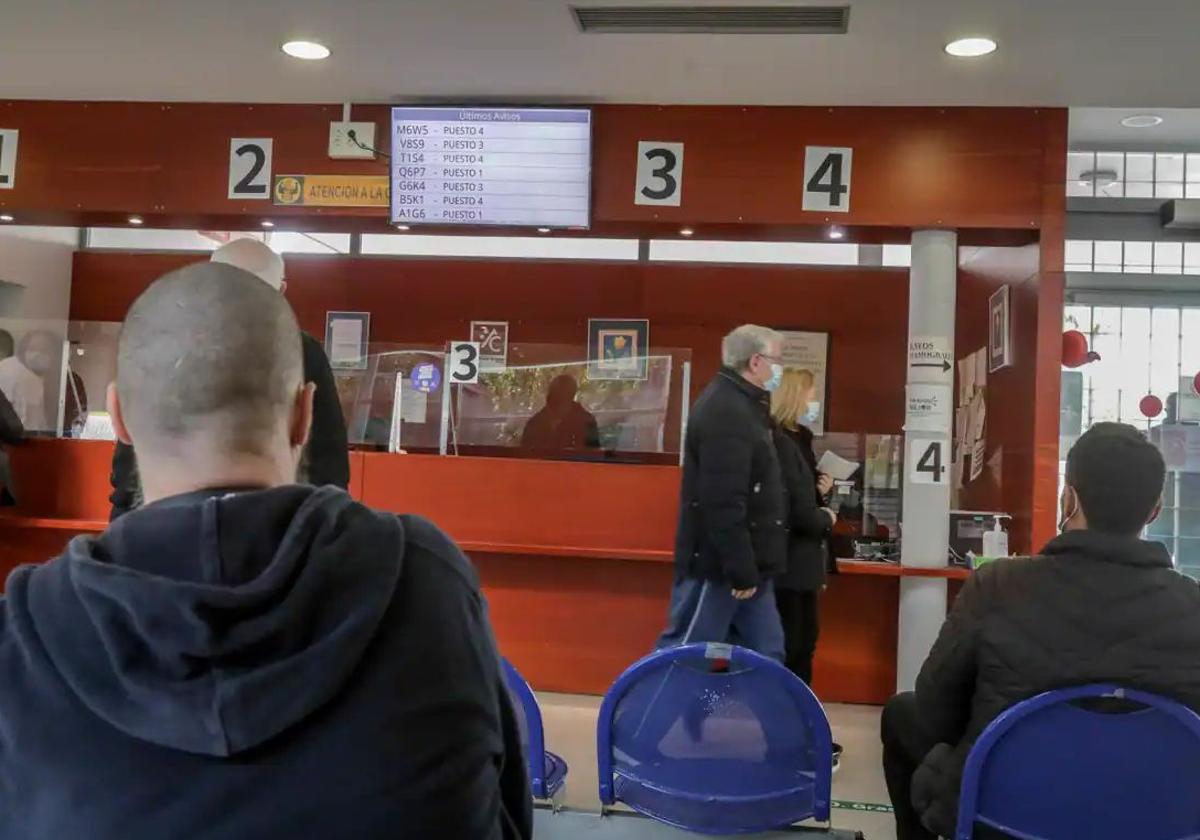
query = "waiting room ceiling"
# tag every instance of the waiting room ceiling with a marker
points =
(1052, 52)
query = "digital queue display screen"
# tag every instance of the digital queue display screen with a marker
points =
(528, 167)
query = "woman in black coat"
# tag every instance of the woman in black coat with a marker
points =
(809, 521)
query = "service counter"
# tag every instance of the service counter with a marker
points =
(575, 558)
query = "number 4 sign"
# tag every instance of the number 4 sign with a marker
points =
(827, 178)
(927, 461)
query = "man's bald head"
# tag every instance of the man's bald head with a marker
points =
(211, 354)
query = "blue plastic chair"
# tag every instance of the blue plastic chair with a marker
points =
(1053, 768)
(547, 771)
(718, 750)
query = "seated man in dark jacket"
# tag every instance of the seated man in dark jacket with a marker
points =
(242, 656)
(1099, 605)
(326, 457)
(731, 539)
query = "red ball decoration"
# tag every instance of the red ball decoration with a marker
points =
(1075, 351)
(1196, 385)
(1150, 406)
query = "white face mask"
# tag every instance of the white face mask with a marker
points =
(811, 413)
(776, 379)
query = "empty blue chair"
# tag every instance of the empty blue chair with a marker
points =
(547, 771)
(1065, 765)
(715, 739)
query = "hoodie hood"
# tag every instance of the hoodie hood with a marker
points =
(212, 622)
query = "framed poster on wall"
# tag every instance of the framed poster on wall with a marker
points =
(810, 350)
(999, 330)
(618, 348)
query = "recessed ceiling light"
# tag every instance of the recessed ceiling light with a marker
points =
(543, 230)
(971, 47)
(307, 50)
(1142, 121)
(402, 227)
(267, 223)
(836, 233)
(135, 220)
(686, 231)
(4, 217)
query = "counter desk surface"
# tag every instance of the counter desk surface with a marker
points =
(575, 558)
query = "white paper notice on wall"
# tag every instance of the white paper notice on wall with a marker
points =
(8, 158)
(928, 461)
(931, 359)
(659, 174)
(810, 351)
(930, 408)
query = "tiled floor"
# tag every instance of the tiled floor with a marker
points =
(570, 723)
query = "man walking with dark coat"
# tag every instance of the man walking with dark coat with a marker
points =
(732, 533)
(1100, 605)
(244, 656)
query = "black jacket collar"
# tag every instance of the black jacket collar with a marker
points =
(749, 389)
(1093, 545)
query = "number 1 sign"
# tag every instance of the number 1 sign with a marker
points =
(827, 178)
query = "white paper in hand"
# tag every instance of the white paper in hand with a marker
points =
(836, 467)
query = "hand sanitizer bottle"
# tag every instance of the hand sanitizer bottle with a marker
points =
(995, 541)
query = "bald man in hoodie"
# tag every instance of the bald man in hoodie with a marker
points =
(243, 656)
(326, 458)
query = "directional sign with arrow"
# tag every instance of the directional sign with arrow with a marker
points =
(930, 359)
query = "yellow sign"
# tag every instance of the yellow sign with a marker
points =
(331, 190)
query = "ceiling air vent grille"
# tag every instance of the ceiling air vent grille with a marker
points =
(733, 20)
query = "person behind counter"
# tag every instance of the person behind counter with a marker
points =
(732, 538)
(327, 458)
(244, 656)
(1099, 605)
(562, 423)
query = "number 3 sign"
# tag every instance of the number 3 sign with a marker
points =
(659, 174)
(464, 363)
(827, 178)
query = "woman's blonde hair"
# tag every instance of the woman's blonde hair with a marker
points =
(790, 401)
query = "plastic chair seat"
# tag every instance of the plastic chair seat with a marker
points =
(556, 775)
(738, 799)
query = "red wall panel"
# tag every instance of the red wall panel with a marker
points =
(913, 167)
(689, 306)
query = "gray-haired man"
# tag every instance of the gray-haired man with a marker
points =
(732, 534)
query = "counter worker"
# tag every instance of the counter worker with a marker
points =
(327, 457)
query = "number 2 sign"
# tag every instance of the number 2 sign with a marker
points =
(659, 174)
(250, 168)
(827, 178)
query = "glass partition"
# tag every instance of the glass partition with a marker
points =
(368, 397)
(1178, 526)
(868, 502)
(546, 402)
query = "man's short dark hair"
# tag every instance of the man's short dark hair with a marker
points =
(7, 345)
(1118, 477)
(209, 347)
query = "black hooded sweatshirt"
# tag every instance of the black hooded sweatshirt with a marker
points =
(269, 663)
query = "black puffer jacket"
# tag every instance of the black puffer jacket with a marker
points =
(1093, 608)
(808, 525)
(732, 510)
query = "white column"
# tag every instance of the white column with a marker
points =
(926, 509)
